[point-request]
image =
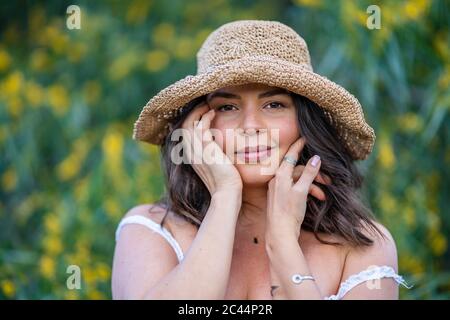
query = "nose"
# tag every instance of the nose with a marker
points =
(252, 123)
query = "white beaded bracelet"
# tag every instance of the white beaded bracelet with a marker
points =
(298, 278)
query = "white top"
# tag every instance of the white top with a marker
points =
(156, 227)
(371, 273)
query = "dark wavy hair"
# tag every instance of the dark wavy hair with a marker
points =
(342, 214)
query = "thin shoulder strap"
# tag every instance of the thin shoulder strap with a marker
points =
(152, 225)
(370, 273)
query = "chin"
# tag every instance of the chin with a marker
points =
(254, 174)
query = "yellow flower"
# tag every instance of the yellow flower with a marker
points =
(352, 13)
(410, 122)
(76, 52)
(433, 221)
(438, 243)
(183, 48)
(411, 264)
(149, 149)
(441, 46)
(154, 151)
(308, 3)
(71, 295)
(444, 79)
(163, 34)
(409, 216)
(103, 272)
(52, 245)
(34, 94)
(52, 223)
(81, 256)
(14, 106)
(81, 189)
(71, 165)
(413, 9)
(123, 65)
(386, 155)
(5, 60)
(58, 41)
(39, 60)
(112, 208)
(12, 84)
(95, 295)
(388, 203)
(9, 180)
(58, 99)
(112, 145)
(157, 60)
(47, 267)
(8, 288)
(89, 276)
(138, 11)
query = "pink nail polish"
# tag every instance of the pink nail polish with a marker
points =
(315, 160)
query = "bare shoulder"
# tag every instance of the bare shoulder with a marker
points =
(382, 240)
(383, 250)
(178, 226)
(172, 222)
(141, 257)
(151, 211)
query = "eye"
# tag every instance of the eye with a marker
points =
(275, 105)
(225, 107)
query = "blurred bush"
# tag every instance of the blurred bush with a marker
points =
(68, 100)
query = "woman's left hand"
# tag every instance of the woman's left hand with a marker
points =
(286, 200)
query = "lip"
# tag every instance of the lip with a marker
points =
(254, 149)
(254, 154)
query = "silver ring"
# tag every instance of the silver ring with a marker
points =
(290, 160)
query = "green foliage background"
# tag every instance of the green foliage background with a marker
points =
(68, 100)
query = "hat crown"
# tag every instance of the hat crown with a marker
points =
(250, 38)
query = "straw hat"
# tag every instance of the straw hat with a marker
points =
(255, 51)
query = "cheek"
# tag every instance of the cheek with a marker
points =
(218, 129)
(289, 131)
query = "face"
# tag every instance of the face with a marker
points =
(256, 124)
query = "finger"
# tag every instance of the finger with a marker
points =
(192, 135)
(187, 146)
(325, 178)
(317, 192)
(205, 124)
(195, 115)
(200, 113)
(321, 177)
(309, 174)
(293, 152)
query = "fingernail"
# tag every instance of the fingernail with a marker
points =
(315, 160)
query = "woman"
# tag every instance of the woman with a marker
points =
(250, 213)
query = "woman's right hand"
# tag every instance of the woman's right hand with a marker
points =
(206, 157)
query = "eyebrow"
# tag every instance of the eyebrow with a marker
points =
(228, 95)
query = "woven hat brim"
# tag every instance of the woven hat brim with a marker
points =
(342, 108)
